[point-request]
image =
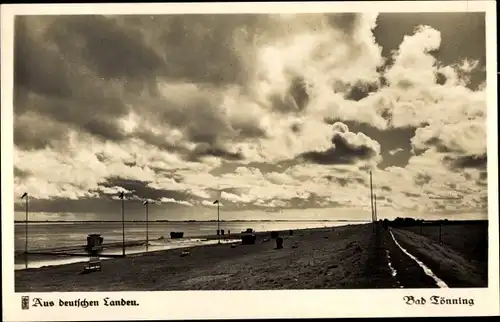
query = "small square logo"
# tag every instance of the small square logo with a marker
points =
(25, 302)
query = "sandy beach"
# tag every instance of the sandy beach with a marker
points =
(346, 257)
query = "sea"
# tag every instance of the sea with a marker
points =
(48, 235)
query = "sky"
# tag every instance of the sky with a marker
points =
(270, 114)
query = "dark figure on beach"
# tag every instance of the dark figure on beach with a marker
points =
(176, 234)
(279, 243)
(222, 232)
(94, 244)
(218, 232)
(248, 239)
(291, 232)
(228, 232)
(274, 234)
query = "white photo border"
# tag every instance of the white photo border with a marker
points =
(247, 304)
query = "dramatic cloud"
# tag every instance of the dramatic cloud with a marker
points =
(347, 148)
(257, 111)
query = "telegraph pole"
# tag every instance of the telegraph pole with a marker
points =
(371, 200)
(375, 221)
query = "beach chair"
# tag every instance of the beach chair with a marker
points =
(279, 243)
(93, 265)
(248, 239)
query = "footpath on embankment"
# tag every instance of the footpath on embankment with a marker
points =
(439, 264)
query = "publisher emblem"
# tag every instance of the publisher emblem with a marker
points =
(25, 302)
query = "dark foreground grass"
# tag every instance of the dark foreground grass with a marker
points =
(408, 273)
(447, 263)
(347, 257)
(470, 239)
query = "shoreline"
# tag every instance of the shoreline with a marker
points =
(353, 221)
(64, 238)
(343, 250)
(234, 238)
(63, 259)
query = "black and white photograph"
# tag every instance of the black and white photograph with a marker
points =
(246, 151)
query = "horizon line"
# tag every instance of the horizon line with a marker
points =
(236, 220)
(189, 220)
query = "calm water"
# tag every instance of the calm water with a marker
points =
(51, 235)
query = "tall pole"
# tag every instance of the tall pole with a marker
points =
(26, 235)
(147, 227)
(123, 224)
(375, 206)
(218, 222)
(371, 197)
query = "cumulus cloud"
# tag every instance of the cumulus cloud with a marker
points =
(462, 145)
(426, 183)
(248, 109)
(413, 64)
(467, 137)
(347, 147)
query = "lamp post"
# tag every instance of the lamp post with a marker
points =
(123, 223)
(145, 203)
(218, 220)
(25, 197)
